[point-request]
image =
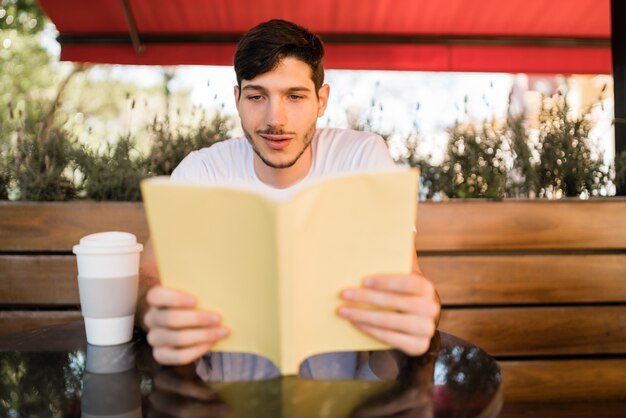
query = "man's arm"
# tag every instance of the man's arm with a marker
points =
(148, 278)
(178, 331)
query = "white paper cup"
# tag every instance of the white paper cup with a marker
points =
(108, 278)
(109, 331)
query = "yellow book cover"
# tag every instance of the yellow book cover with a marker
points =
(274, 268)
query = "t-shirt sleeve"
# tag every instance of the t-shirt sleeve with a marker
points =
(375, 155)
(368, 153)
(191, 168)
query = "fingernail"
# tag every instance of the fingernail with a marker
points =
(190, 300)
(369, 282)
(343, 311)
(221, 332)
(349, 294)
(214, 319)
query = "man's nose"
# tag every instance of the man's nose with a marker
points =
(276, 115)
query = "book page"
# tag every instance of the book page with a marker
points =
(343, 230)
(219, 245)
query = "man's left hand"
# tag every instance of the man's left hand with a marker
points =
(409, 315)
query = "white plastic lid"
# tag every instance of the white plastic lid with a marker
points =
(111, 242)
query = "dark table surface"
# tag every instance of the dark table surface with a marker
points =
(53, 372)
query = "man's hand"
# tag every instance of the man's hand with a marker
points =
(179, 332)
(411, 310)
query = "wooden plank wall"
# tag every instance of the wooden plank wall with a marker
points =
(540, 285)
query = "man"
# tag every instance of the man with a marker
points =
(279, 95)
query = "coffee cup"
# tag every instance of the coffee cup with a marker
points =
(108, 279)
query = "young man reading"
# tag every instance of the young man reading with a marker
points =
(279, 95)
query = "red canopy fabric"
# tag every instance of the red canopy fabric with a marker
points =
(535, 36)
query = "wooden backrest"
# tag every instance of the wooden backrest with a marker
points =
(57, 226)
(478, 252)
(38, 285)
(525, 252)
(535, 283)
(37, 266)
(541, 285)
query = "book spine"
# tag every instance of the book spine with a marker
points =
(285, 285)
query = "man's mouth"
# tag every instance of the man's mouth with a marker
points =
(276, 141)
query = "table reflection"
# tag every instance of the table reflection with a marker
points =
(111, 385)
(454, 379)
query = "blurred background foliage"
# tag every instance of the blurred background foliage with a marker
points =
(170, 143)
(69, 131)
(508, 159)
(112, 173)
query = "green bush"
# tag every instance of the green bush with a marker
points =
(171, 144)
(568, 166)
(113, 174)
(40, 162)
(5, 177)
(474, 164)
(522, 178)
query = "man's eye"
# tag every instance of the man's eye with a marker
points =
(255, 98)
(295, 97)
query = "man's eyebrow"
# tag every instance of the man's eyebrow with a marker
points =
(298, 88)
(264, 90)
(254, 87)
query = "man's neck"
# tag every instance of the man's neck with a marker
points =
(281, 178)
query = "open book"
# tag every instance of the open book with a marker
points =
(274, 269)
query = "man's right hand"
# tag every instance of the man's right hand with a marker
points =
(178, 332)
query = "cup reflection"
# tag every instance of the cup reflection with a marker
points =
(111, 383)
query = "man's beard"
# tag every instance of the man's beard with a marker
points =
(308, 137)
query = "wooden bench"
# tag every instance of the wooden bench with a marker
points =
(540, 285)
(38, 285)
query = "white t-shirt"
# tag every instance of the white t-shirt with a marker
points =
(335, 151)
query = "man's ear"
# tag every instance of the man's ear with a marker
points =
(237, 93)
(322, 99)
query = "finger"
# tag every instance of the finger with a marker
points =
(163, 337)
(180, 318)
(423, 305)
(404, 323)
(409, 344)
(172, 356)
(164, 297)
(414, 284)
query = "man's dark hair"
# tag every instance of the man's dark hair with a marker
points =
(263, 47)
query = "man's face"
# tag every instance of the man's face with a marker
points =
(278, 112)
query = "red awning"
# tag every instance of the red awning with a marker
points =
(535, 36)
